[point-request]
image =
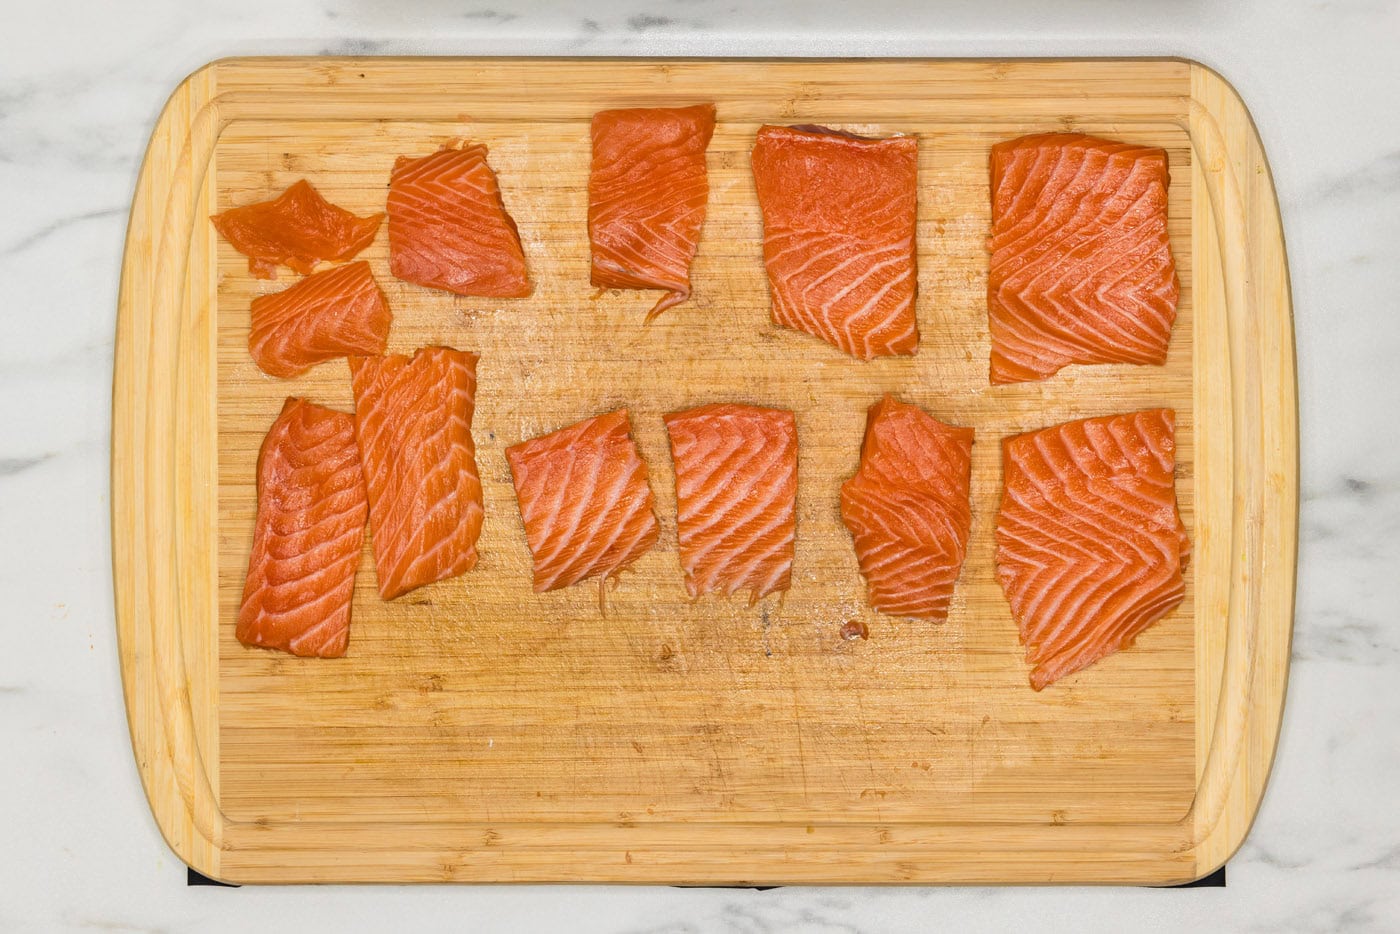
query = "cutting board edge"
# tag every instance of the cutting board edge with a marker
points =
(170, 761)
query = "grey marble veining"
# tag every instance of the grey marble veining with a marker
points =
(80, 87)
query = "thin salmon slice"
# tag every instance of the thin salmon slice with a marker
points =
(298, 228)
(584, 498)
(1081, 266)
(908, 508)
(736, 497)
(308, 535)
(338, 312)
(413, 419)
(646, 198)
(449, 228)
(838, 236)
(1090, 548)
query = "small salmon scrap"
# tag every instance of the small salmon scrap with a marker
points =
(298, 228)
(338, 312)
(308, 535)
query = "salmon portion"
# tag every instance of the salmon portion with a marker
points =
(909, 510)
(413, 420)
(298, 228)
(838, 236)
(584, 498)
(309, 532)
(449, 229)
(1090, 548)
(646, 198)
(337, 312)
(1081, 266)
(736, 497)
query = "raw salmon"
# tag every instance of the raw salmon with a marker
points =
(646, 198)
(449, 229)
(337, 312)
(736, 497)
(1081, 266)
(309, 532)
(908, 509)
(1090, 547)
(413, 420)
(585, 500)
(838, 236)
(298, 228)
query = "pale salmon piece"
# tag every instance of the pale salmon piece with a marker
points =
(1090, 546)
(338, 312)
(736, 497)
(310, 528)
(647, 190)
(908, 509)
(1081, 266)
(298, 228)
(449, 228)
(584, 498)
(838, 236)
(413, 419)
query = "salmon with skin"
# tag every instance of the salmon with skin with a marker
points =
(308, 536)
(449, 228)
(298, 228)
(413, 419)
(585, 501)
(839, 212)
(647, 190)
(1090, 548)
(736, 497)
(1081, 263)
(338, 312)
(908, 509)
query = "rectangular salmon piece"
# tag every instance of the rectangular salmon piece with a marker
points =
(585, 501)
(338, 312)
(839, 214)
(413, 419)
(1081, 266)
(908, 509)
(736, 497)
(1090, 548)
(647, 189)
(308, 535)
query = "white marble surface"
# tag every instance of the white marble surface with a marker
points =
(80, 86)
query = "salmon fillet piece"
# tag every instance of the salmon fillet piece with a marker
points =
(1090, 548)
(908, 509)
(413, 419)
(647, 190)
(736, 497)
(449, 229)
(308, 535)
(838, 236)
(298, 228)
(338, 312)
(585, 501)
(1081, 264)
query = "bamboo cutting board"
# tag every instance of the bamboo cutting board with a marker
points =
(477, 731)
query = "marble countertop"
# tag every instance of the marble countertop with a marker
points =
(81, 84)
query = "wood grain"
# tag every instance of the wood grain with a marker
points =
(478, 731)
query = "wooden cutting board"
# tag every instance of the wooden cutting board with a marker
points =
(477, 731)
